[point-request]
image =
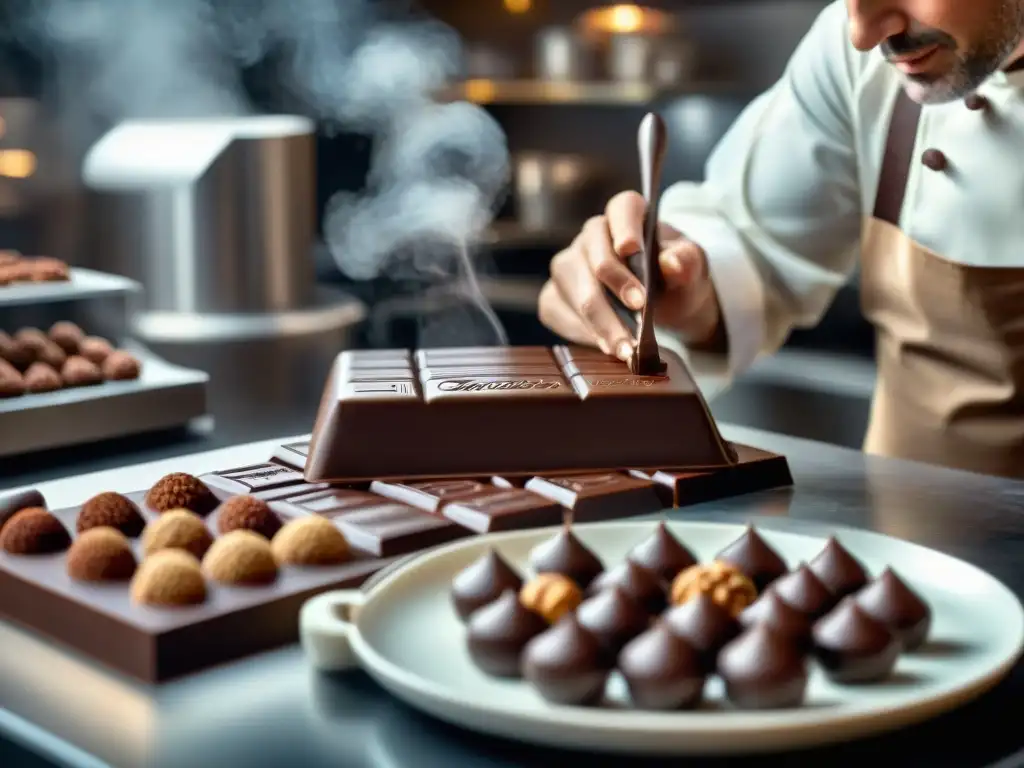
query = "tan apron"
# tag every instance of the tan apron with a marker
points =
(950, 338)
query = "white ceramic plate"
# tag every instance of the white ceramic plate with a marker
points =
(406, 635)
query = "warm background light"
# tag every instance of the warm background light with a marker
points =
(625, 19)
(518, 6)
(17, 163)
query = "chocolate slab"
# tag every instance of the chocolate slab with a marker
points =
(505, 411)
(595, 497)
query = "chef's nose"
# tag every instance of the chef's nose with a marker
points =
(874, 21)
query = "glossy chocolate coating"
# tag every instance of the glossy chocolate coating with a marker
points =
(752, 555)
(839, 570)
(804, 591)
(772, 611)
(483, 582)
(889, 600)
(613, 617)
(12, 503)
(662, 671)
(662, 553)
(567, 555)
(703, 624)
(852, 647)
(567, 664)
(497, 633)
(637, 582)
(763, 669)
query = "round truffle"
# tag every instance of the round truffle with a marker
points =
(121, 366)
(497, 633)
(662, 671)
(247, 513)
(67, 336)
(41, 377)
(11, 382)
(180, 490)
(94, 349)
(169, 578)
(839, 570)
(852, 647)
(725, 584)
(483, 582)
(754, 557)
(551, 596)
(566, 664)
(177, 529)
(762, 669)
(613, 617)
(642, 585)
(240, 557)
(567, 555)
(53, 356)
(775, 613)
(704, 624)
(101, 554)
(663, 554)
(45, 269)
(889, 600)
(12, 503)
(34, 531)
(79, 372)
(111, 510)
(32, 339)
(15, 352)
(311, 541)
(804, 591)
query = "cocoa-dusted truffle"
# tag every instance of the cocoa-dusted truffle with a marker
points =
(725, 584)
(180, 490)
(567, 664)
(642, 585)
(483, 581)
(15, 352)
(121, 366)
(32, 339)
(497, 633)
(662, 553)
(892, 602)
(46, 269)
(852, 647)
(704, 624)
(177, 529)
(248, 513)
(67, 336)
(310, 541)
(240, 557)
(111, 510)
(11, 382)
(169, 578)
(567, 555)
(551, 596)
(34, 531)
(662, 671)
(763, 669)
(79, 372)
(95, 349)
(838, 569)
(752, 555)
(41, 377)
(101, 554)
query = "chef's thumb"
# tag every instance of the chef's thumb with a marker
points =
(683, 264)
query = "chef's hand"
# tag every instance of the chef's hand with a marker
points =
(574, 305)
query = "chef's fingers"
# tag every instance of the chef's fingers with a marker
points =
(625, 214)
(585, 295)
(683, 265)
(690, 294)
(558, 316)
(609, 269)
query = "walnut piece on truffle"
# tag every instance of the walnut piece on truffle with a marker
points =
(121, 366)
(79, 372)
(94, 349)
(177, 529)
(180, 490)
(15, 352)
(67, 336)
(41, 377)
(240, 557)
(12, 383)
(169, 578)
(247, 513)
(101, 554)
(111, 510)
(310, 540)
(34, 531)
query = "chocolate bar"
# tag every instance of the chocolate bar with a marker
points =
(507, 412)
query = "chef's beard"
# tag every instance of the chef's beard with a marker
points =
(973, 66)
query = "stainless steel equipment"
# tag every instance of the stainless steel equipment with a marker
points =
(561, 54)
(555, 190)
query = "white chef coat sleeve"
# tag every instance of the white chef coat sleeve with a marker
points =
(779, 214)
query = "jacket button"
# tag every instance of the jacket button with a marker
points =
(934, 160)
(976, 102)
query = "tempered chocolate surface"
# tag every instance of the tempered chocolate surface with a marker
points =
(506, 411)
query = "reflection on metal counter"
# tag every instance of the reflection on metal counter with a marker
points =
(216, 218)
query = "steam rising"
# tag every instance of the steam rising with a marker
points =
(438, 169)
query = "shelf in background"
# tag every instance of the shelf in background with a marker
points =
(512, 234)
(484, 91)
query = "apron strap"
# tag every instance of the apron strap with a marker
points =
(899, 153)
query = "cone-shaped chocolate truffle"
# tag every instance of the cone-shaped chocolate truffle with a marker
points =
(892, 602)
(177, 529)
(111, 510)
(772, 611)
(662, 553)
(567, 664)
(852, 647)
(762, 669)
(704, 624)
(752, 555)
(839, 570)
(180, 490)
(247, 513)
(642, 585)
(310, 541)
(613, 617)
(567, 555)
(169, 578)
(483, 582)
(498, 632)
(101, 554)
(804, 591)
(34, 531)
(240, 557)
(662, 671)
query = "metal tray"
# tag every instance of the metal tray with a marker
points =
(164, 396)
(84, 284)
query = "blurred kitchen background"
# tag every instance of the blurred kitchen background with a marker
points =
(343, 212)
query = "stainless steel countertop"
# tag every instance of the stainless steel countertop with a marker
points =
(272, 710)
